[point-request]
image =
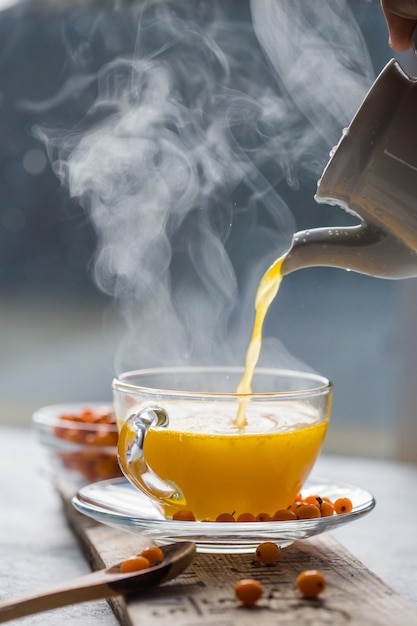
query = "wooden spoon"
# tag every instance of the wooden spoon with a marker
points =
(102, 584)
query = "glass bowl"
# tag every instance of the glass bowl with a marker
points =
(81, 441)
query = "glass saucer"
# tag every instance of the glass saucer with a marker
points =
(117, 503)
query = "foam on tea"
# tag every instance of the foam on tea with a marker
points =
(218, 419)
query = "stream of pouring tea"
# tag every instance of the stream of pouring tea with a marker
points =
(266, 292)
(324, 59)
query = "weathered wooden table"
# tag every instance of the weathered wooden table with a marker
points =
(378, 585)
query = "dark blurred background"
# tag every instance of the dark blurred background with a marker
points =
(59, 332)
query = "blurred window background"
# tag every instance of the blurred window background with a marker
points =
(59, 331)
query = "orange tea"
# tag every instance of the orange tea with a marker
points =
(184, 450)
(222, 469)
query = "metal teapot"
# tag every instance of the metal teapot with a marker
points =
(372, 173)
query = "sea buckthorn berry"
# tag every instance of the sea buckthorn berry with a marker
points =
(284, 515)
(92, 428)
(268, 553)
(225, 517)
(311, 583)
(134, 564)
(101, 439)
(313, 500)
(75, 436)
(264, 517)
(326, 509)
(87, 415)
(248, 591)
(246, 517)
(184, 516)
(343, 505)
(154, 555)
(295, 506)
(308, 511)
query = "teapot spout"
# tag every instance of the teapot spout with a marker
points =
(364, 248)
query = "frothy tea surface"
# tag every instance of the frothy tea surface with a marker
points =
(218, 418)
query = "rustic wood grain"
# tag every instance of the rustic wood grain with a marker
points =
(204, 594)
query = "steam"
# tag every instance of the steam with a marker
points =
(180, 160)
(319, 56)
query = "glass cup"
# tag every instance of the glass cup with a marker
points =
(179, 442)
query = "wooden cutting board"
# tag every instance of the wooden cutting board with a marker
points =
(204, 594)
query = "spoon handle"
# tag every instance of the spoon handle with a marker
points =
(103, 583)
(90, 587)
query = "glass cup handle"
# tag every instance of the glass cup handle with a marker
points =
(132, 459)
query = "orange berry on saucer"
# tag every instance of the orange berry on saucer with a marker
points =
(308, 511)
(246, 517)
(313, 500)
(184, 516)
(263, 517)
(284, 515)
(225, 517)
(326, 508)
(295, 506)
(343, 505)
